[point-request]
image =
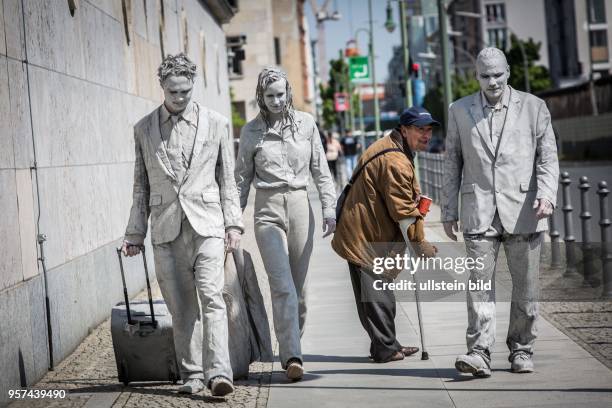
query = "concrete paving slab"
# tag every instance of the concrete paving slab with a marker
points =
(339, 374)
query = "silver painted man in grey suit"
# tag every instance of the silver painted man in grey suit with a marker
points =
(184, 178)
(501, 157)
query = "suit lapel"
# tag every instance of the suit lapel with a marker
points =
(160, 148)
(481, 123)
(514, 109)
(202, 133)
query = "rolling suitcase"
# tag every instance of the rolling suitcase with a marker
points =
(142, 337)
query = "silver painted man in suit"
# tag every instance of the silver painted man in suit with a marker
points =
(184, 178)
(502, 159)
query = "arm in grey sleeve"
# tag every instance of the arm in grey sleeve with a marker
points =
(453, 168)
(404, 224)
(547, 162)
(245, 167)
(136, 230)
(230, 204)
(321, 175)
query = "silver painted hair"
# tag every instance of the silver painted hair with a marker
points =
(488, 53)
(176, 65)
(266, 77)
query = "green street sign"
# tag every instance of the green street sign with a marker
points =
(359, 69)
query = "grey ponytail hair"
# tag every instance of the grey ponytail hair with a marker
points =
(266, 77)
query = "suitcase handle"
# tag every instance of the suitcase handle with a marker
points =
(125, 292)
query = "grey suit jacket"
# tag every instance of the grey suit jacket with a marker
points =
(525, 167)
(207, 195)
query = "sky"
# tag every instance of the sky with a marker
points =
(355, 16)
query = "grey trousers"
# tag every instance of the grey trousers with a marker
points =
(284, 230)
(189, 266)
(523, 255)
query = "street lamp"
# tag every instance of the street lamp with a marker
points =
(390, 26)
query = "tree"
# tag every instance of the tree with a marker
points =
(338, 78)
(237, 121)
(539, 77)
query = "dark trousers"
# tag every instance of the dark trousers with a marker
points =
(376, 309)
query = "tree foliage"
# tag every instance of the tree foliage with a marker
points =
(338, 78)
(539, 77)
(237, 120)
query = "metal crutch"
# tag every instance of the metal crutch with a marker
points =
(424, 353)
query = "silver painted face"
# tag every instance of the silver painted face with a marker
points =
(177, 93)
(275, 96)
(492, 74)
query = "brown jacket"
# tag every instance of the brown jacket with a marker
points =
(384, 193)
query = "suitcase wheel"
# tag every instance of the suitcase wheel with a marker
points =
(123, 374)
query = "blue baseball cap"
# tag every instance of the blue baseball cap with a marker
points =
(417, 116)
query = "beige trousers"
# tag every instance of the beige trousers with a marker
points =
(189, 266)
(284, 229)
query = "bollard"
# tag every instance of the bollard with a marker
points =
(555, 246)
(588, 259)
(570, 240)
(606, 252)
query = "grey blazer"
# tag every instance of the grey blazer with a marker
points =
(526, 166)
(207, 195)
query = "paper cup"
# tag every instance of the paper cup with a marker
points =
(424, 203)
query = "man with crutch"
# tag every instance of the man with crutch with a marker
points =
(377, 212)
(184, 179)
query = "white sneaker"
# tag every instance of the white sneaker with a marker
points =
(473, 363)
(295, 370)
(192, 386)
(521, 363)
(221, 386)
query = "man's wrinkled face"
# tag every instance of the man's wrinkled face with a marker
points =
(417, 137)
(275, 96)
(493, 74)
(177, 93)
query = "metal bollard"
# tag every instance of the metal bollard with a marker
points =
(570, 240)
(588, 259)
(606, 252)
(555, 245)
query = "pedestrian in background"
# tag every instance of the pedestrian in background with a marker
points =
(279, 150)
(333, 153)
(350, 148)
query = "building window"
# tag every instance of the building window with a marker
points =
(597, 11)
(496, 13)
(599, 45)
(497, 38)
(277, 50)
(235, 55)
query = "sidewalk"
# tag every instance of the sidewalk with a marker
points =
(339, 373)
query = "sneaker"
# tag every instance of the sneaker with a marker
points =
(521, 363)
(192, 386)
(295, 370)
(473, 363)
(221, 386)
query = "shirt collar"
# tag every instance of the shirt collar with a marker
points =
(188, 115)
(396, 136)
(505, 100)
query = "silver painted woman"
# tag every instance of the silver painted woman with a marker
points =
(279, 150)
